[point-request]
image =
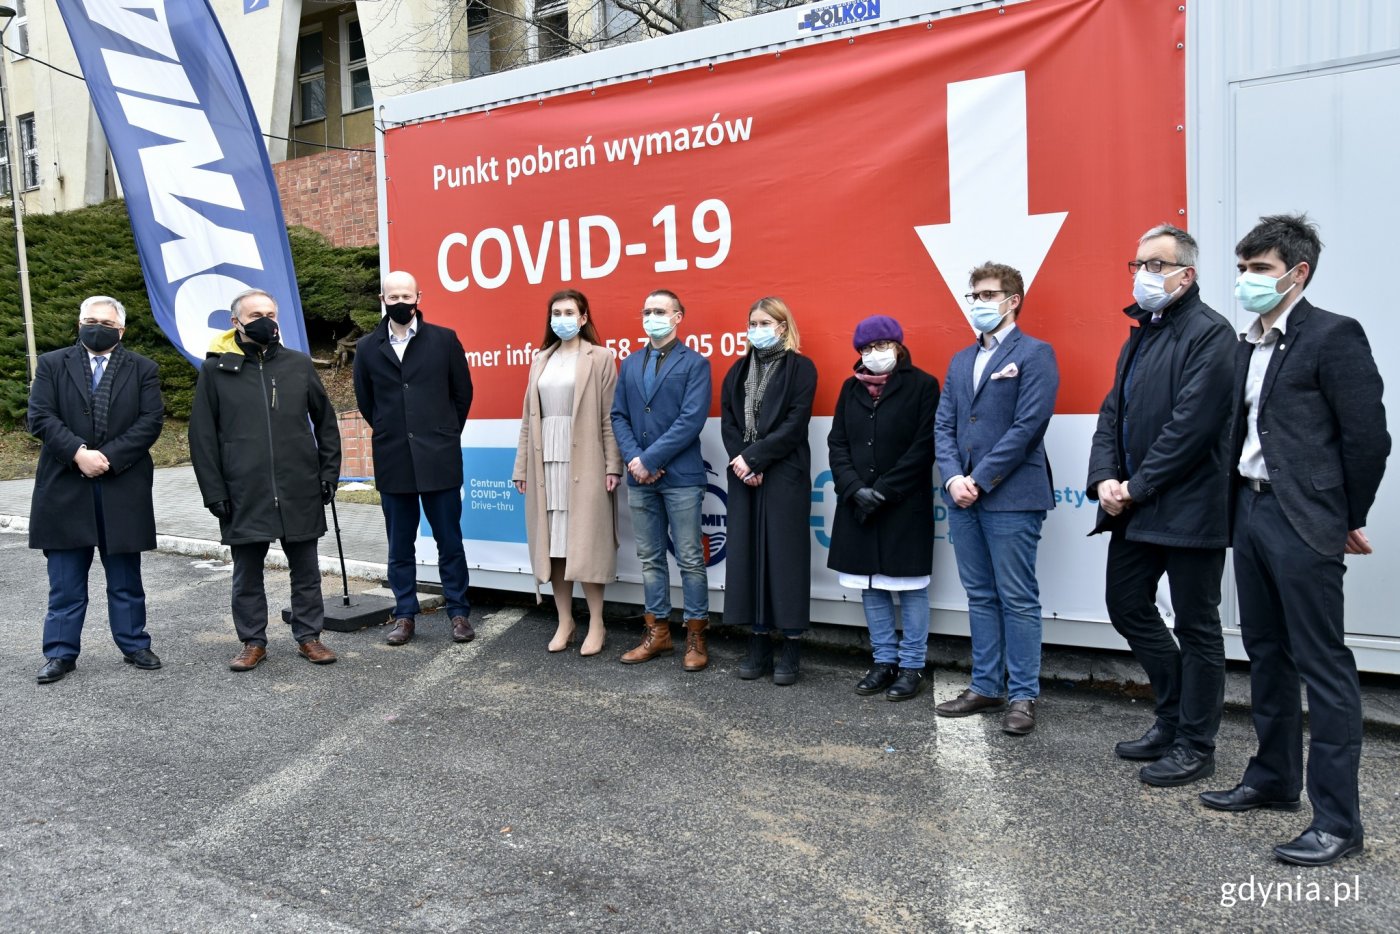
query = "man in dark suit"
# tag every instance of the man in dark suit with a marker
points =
(662, 401)
(414, 390)
(1310, 449)
(96, 406)
(989, 434)
(1159, 468)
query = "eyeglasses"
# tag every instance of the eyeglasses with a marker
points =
(878, 345)
(659, 312)
(985, 295)
(1153, 265)
(96, 322)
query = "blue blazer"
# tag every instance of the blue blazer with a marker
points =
(995, 434)
(663, 428)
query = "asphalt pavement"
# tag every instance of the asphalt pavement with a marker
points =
(495, 787)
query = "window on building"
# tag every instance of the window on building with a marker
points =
(29, 151)
(311, 78)
(552, 28)
(17, 36)
(354, 78)
(4, 162)
(478, 38)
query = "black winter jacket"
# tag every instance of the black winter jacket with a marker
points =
(264, 437)
(887, 446)
(1177, 415)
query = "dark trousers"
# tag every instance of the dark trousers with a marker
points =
(443, 510)
(1291, 617)
(68, 595)
(250, 598)
(1189, 680)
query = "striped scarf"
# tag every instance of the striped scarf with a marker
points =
(762, 365)
(102, 395)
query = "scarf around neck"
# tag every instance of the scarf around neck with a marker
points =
(762, 365)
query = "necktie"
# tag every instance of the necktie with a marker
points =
(98, 365)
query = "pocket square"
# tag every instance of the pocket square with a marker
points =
(1007, 372)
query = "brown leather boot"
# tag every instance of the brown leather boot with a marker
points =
(657, 641)
(696, 655)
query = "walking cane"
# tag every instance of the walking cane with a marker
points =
(340, 550)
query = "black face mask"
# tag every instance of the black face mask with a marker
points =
(98, 338)
(402, 312)
(261, 331)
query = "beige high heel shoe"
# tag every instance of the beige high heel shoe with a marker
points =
(556, 646)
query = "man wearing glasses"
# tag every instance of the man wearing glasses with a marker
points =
(96, 406)
(1159, 468)
(662, 401)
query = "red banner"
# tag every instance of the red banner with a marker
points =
(848, 177)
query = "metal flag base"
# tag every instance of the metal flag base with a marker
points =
(349, 612)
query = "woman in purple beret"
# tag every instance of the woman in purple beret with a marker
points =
(881, 446)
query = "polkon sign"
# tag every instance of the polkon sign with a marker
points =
(850, 175)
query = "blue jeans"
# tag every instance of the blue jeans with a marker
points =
(911, 651)
(996, 562)
(443, 510)
(655, 511)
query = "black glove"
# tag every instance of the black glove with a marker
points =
(327, 492)
(222, 510)
(867, 500)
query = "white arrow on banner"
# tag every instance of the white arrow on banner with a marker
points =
(989, 213)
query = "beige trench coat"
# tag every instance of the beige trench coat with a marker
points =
(592, 544)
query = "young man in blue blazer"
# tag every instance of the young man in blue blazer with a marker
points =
(662, 401)
(989, 437)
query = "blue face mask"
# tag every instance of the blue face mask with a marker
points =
(764, 337)
(657, 326)
(565, 328)
(1258, 293)
(986, 317)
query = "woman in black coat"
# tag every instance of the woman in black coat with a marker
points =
(765, 409)
(881, 447)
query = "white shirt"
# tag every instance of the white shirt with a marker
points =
(1252, 456)
(882, 582)
(93, 357)
(987, 346)
(400, 344)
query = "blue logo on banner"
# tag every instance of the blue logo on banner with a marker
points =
(491, 509)
(203, 204)
(839, 14)
(252, 6)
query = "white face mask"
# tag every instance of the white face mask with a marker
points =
(878, 361)
(1149, 290)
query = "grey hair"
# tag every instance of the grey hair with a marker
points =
(1186, 249)
(103, 300)
(249, 293)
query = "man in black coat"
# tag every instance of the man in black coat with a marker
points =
(266, 452)
(414, 390)
(1159, 469)
(1310, 449)
(96, 406)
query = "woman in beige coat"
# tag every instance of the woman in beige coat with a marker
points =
(568, 464)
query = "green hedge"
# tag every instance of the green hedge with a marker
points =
(91, 251)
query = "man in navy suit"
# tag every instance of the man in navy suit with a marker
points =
(414, 389)
(96, 406)
(1310, 450)
(662, 401)
(989, 436)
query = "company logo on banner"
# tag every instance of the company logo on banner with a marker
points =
(840, 14)
(199, 190)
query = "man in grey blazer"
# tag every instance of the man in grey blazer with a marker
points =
(1310, 448)
(989, 435)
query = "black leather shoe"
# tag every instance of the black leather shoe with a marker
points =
(144, 659)
(1244, 798)
(877, 679)
(907, 686)
(1315, 847)
(55, 668)
(1180, 766)
(759, 661)
(1152, 745)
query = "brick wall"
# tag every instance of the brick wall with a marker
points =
(356, 456)
(331, 192)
